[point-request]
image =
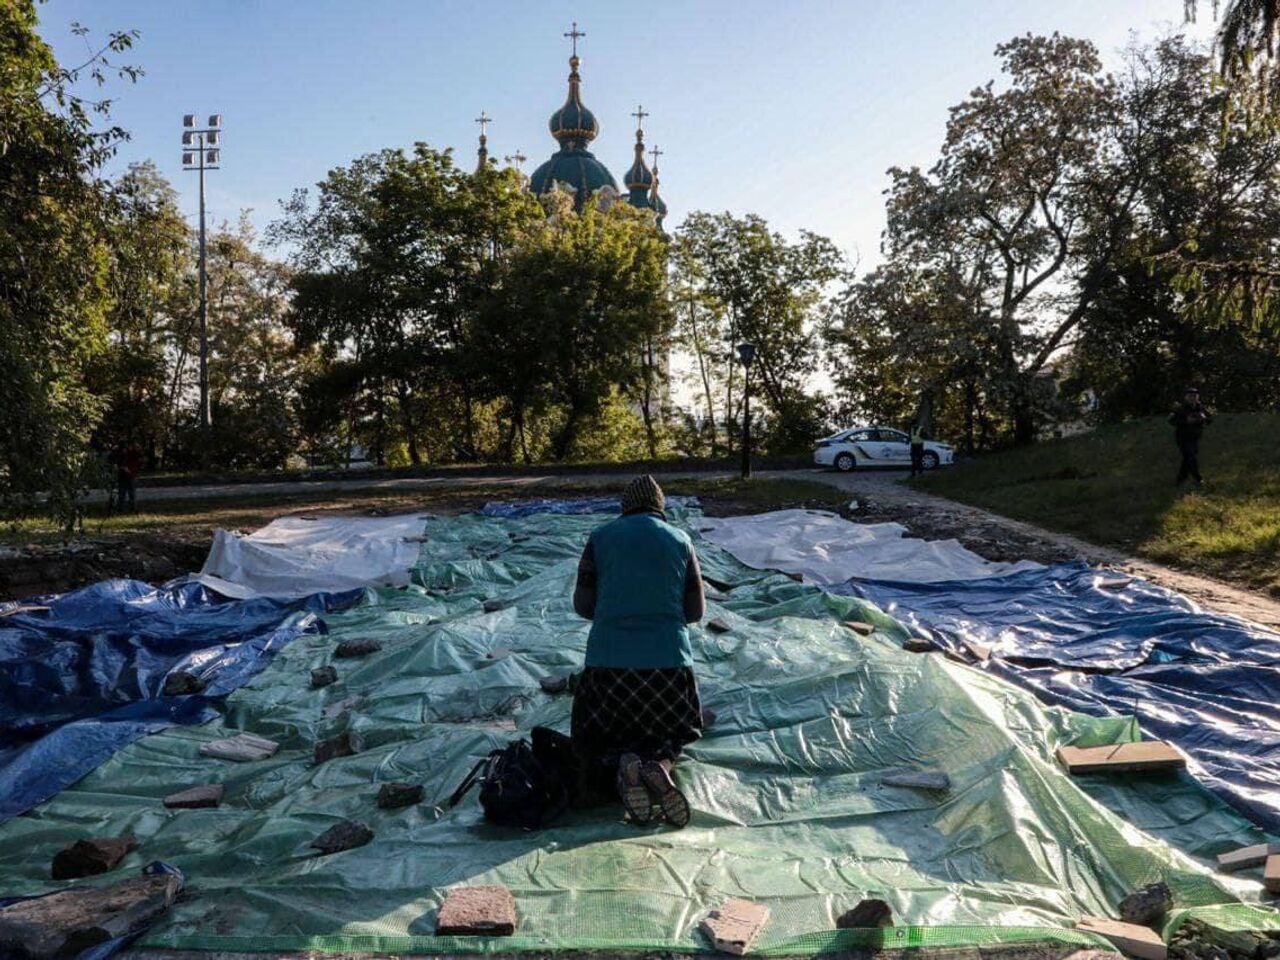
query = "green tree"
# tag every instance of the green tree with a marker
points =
(739, 281)
(393, 264)
(579, 297)
(55, 262)
(152, 311)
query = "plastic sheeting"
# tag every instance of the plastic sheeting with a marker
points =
(826, 548)
(83, 677)
(788, 804)
(295, 556)
(1105, 645)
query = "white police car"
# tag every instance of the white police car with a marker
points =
(876, 447)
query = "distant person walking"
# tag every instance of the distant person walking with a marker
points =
(917, 450)
(128, 461)
(1188, 422)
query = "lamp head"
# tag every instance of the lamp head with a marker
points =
(746, 353)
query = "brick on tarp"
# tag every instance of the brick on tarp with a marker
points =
(1141, 942)
(241, 748)
(357, 647)
(346, 744)
(205, 795)
(1243, 858)
(488, 911)
(860, 627)
(718, 626)
(1141, 757)
(918, 645)
(323, 676)
(734, 926)
(66, 923)
(393, 796)
(90, 856)
(1271, 873)
(343, 836)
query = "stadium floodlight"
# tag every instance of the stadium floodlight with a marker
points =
(203, 154)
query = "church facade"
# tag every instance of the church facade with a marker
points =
(574, 167)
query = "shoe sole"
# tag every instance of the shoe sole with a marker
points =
(674, 804)
(635, 796)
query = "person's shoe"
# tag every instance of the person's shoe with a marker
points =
(663, 789)
(632, 790)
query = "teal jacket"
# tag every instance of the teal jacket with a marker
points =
(639, 585)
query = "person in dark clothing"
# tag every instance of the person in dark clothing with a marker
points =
(128, 462)
(1188, 422)
(917, 450)
(636, 703)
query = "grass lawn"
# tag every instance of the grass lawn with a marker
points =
(1115, 487)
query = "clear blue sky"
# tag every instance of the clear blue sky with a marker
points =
(792, 109)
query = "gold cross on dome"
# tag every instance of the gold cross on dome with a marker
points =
(484, 120)
(656, 153)
(640, 114)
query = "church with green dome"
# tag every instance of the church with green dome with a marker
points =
(574, 167)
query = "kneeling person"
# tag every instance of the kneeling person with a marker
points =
(636, 705)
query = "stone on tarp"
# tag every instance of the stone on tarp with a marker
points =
(66, 923)
(918, 645)
(91, 856)
(734, 926)
(859, 627)
(356, 648)
(346, 835)
(341, 706)
(718, 626)
(477, 912)
(554, 685)
(393, 796)
(918, 780)
(798, 578)
(323, 676)
(493, 606)
(1146, 905)
(708, 718)
(205, 795)
(343, 745)
(181, 684)
(868, 913)
(241, 748)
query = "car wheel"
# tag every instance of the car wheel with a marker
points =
(930, 460)
(845, 462)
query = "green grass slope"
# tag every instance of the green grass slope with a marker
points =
(1114, 486)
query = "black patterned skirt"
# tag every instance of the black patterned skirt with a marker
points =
(653, 713)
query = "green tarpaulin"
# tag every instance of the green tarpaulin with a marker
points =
(789, 808)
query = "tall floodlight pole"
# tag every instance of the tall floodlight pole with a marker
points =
(201, 151)
(747, 353)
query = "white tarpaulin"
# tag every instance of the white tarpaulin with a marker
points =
(826, 548)
(293, 556)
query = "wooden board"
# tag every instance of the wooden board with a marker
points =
(1243, 858)
(1271, 874)
(1130, 938)
(1147, 755)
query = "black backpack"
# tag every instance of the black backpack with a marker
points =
(524, 784)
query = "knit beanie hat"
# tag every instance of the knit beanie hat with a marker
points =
(643, 494)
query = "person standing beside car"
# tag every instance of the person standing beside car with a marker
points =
(1188, 422)
(917, 449)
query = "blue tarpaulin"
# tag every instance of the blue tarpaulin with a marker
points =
(1108, 645)
(83, 677)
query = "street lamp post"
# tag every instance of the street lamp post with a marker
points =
(201, 151)
(746, 353)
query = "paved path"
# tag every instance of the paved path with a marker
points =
(883, 486)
